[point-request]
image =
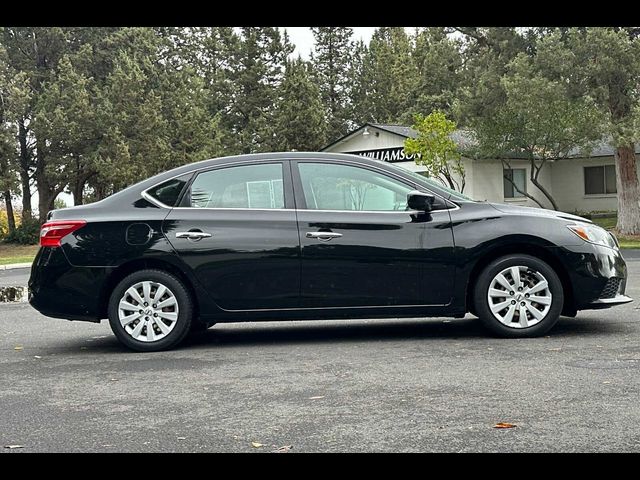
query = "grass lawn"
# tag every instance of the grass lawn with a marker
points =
(626, 241)
(10, 253)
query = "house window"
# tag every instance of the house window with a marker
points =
(600, 180)
(519, 177)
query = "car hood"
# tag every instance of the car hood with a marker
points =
(537, 212)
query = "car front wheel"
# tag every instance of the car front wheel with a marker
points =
(150, 310)
(518, 296)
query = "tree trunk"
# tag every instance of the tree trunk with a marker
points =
(534, 179)
(628, 190)
(25, 165)
(11, 221)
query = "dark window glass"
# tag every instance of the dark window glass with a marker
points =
(248, 186)
(600, 180)
(519, 177)
(169, 191)
(610, 179)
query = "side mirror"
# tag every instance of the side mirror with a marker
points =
(420, 201)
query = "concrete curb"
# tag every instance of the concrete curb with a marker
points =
(11, 266)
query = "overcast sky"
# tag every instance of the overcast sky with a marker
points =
(302, 38)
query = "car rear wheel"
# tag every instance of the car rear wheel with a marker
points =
(150, 310)
(518, 296)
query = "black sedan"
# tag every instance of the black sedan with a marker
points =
(314, 236)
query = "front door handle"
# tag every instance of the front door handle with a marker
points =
(324, 236)
(193, 235)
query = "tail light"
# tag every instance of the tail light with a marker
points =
(52, 232)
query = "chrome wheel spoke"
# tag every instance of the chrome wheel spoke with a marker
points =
(502, 280)
(522, 320)
(150, 333)
(537, 287)
(150, 315)
(124, 305)
(498, 307)
(168, 315)
(540, 300)
(508, 317)
(135, 295)
(169, 302)
(124, 321)
(494, 292)
(521, 283)
(535, 312)
(162, 326)
(146, 291)
(159, 293)
(135, 333)
(515, 274)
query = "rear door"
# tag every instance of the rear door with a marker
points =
(361, 247)
(236, 228)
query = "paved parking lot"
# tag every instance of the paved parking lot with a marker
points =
(366, 385)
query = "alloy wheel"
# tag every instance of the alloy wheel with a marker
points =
(148, 311)
(519, 297)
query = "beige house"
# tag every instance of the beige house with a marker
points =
(578, 184)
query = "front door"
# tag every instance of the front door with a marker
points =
(361, 247)
(235, 231)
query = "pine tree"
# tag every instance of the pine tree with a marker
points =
(258, 69)
(331, 61)
(392, 73)
(300, 117)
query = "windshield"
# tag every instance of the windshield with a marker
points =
(429, 182)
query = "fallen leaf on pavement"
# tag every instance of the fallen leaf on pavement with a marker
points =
(37, 356)
(13, 446)
(316, 398)
(283, 449)
(18, 347)
(504, 425)
(256, 445)
(182, 438)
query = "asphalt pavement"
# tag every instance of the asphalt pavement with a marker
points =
(396, 385)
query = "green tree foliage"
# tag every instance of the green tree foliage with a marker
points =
(439, 63)
(90, 110)
(259, 63)
(299, 118)
(539, 120)
(391, 72)
(438, 151)
(608, 66)
(331, 61)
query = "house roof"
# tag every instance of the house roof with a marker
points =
(464, 139)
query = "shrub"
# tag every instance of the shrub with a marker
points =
(27, 233)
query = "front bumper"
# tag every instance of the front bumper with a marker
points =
(598, 276)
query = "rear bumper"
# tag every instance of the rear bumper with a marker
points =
(59, 290)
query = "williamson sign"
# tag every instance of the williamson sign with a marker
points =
(388, 154)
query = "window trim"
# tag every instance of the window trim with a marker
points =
(604, 193)
(291, 176)
(514, 197)
(299, 189)
(286, 185)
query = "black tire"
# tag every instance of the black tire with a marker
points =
(481, 302)
(184, 317)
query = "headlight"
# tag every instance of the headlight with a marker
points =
(594, 234)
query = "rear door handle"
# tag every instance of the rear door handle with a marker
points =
(193, 235)
(324, 236)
